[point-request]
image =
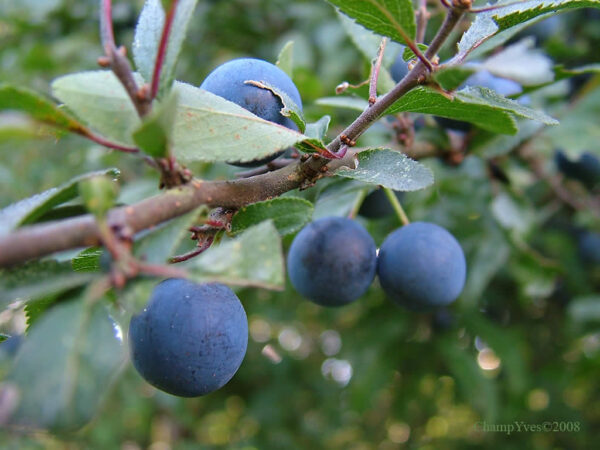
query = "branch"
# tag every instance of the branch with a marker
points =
(44, 239)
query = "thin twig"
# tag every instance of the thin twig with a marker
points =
(162, 49)
(375, 67)
(106, 143)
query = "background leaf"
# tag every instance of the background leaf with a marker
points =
(75, 347)
(390, 169)
(254, 258)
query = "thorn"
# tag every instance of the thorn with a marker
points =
(122, 50)
(143, 92)
(103, 61)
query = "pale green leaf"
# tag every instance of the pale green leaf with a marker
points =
(100, 100)
(390, 169)
(210, 128)
(254, 258)
(285, 60)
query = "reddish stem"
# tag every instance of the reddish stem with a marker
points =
(162, 49)
(106, 31)
(106, 143)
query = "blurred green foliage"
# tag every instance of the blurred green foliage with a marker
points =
(522, 342)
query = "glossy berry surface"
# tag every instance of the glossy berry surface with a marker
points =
(421, 266)
(229, 81)
(332, 261)
(190, 339)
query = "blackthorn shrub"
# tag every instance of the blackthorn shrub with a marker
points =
(229, 81)
(332, 261)
(421, 266)
(190, 339)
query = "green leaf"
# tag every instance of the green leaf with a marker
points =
(289, 214)
(392, 18)
(255, 258)
(480, 106)
(154, 135)
(318, 129)
(99, 99)
(37, 106)
(157, 246)
(36, 280)
(578, 130)
(390, 169)
(147, 39)
(98, 194)
(35, 310)
(345, 102)
(290, 109)
(408, 54)
(451, 77)
(28, 210)
(87, 260)
(65, 367)
(210, 128)
(489, 23)
(285, 60)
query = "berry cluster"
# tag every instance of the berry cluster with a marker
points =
(333, 261)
